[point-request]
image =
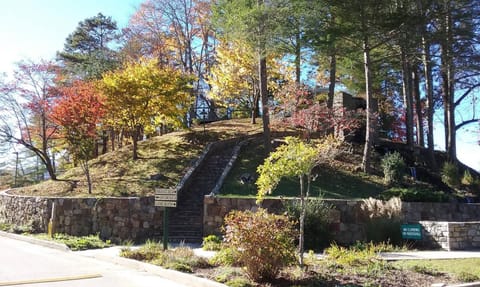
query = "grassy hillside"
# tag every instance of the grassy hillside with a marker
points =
(342, 180)
(332, 181)
(163, 162)
(165, 159)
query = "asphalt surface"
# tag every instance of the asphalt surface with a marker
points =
(26, 264)
(27, 261)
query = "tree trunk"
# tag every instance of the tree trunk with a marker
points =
(104, 142)
(427, 66)
(418, 107)
(135, 136)
(86, 171)
(264, 99)
(407, 98)
(262, 75)
(447, 74)
(369, 129)
(333, 65)
(333, 78)
(301, 239)
(255, 102)
(298, 58)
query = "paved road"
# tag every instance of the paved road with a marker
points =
(25, 264)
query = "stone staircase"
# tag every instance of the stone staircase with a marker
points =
(186, 220)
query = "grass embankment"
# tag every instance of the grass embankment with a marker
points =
(331, 182)
(163, 161)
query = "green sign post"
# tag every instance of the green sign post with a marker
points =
(411, 231)
(166, 198)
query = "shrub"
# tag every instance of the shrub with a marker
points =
(450, 175)
(179, 266)
(82, 242)
(227, 256)
(416, 194)
(383, 224)
(467, 178)
(180, 259)
(265, 242)
(382, 230)
(352, 256)
(317, 234)
(212, 243)
(239, 282)
(393, 167)
(152, 250)
(467, 277)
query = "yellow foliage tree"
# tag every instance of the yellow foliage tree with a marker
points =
(295, 159)
(141, 96)
(234, 77)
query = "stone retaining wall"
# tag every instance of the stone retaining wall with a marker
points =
(118, 219)
(451, 235)
(348, 220)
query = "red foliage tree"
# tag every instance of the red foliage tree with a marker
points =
(78, 111)
(298, 108)
(25, 105)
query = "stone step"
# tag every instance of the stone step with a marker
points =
(186, 222)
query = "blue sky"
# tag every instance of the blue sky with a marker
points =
(37, 29)
(34, 29)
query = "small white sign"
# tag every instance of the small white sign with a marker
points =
(166, 203)
(165, 191)
(166, 197)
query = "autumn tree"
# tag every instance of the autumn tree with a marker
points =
(234, 80)
(78, 111)
(255, 23)
(141, 96)
(26, 103)
(88, 51)
(295, 159)
(177, 33)
(298, 108)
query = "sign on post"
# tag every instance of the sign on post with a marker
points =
(166, 203)
(166, 198)
(411, 231)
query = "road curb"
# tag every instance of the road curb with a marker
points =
(176, 276)
(33, 240)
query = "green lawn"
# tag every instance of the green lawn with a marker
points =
(465, 270)
(329, 183)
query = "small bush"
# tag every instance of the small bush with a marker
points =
(179, 266)
(450, 175)
(426, 270)
(82, 242)
(468, 178)
(381, 230)
(181, 259)
(265, 242)
(415, 194)
(239, 282)
(212, 243)
(226, 274)
(383, 224)
(150, 251)
(317, 233)
(5, 226)
(393, 167)
(352, 257)
(227, 256)
(467, 277)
